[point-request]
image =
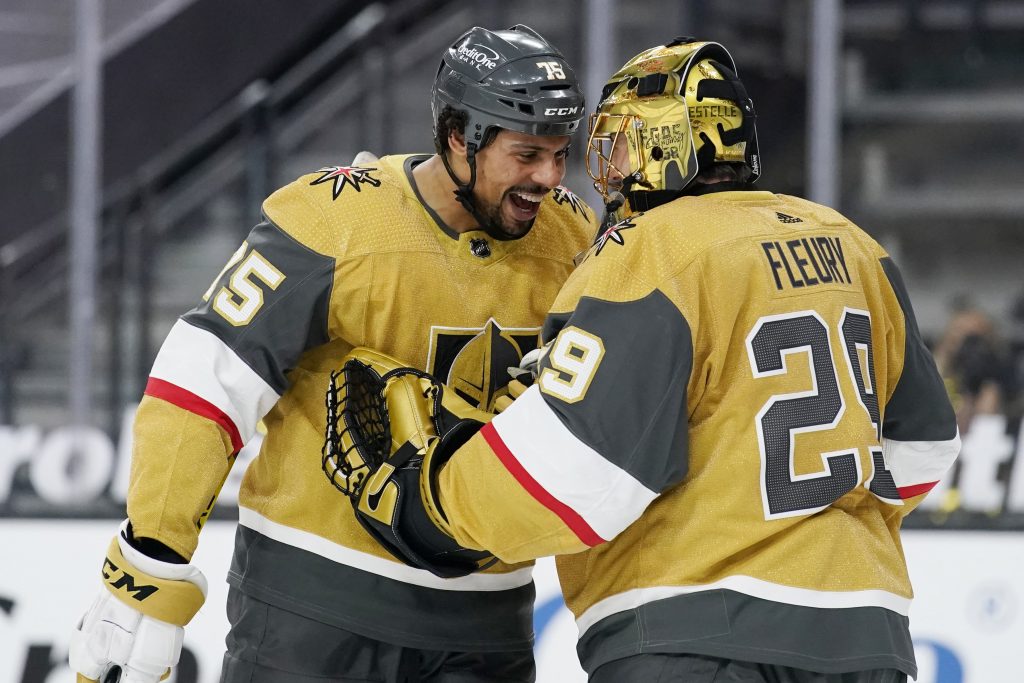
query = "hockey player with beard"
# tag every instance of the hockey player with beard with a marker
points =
(448, 261)
(734, 413)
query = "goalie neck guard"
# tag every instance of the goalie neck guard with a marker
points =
(512, 79)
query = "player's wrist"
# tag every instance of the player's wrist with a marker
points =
(162, 590)
(157, 566)
(153, 547)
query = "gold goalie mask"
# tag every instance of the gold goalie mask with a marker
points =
(668, 114)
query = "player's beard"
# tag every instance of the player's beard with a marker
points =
(492, 214)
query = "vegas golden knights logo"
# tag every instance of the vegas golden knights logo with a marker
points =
(474, 361)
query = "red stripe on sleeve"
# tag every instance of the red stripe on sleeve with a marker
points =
(572, 520)
(915, 490)
(186, 400)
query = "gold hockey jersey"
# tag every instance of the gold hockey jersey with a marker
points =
(348, 256)
(734, 414)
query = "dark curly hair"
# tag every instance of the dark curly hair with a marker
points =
(451, 119)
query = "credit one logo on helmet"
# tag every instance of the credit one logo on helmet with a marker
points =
(479, 56)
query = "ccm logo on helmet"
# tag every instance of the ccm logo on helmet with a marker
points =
(479, 56)
(560, 111)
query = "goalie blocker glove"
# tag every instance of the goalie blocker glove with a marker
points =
(390, 430)
(135, 624)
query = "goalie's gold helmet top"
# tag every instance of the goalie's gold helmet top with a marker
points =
(669, 113)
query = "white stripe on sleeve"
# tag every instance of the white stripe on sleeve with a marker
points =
(919, 462)
(199, 362)
(608, 498)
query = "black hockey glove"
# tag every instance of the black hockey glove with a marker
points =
(390, 430)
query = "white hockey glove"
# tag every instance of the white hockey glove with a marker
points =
(135, 624)
(522, 378)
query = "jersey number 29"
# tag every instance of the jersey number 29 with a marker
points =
(783, 417)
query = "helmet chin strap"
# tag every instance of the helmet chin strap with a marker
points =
(464, 194)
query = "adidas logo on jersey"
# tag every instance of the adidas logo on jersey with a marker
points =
(786, 218)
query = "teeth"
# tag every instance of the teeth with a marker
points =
(535, 198)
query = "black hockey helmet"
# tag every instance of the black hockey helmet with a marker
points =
(512, 79)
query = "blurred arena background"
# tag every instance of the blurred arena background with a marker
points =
(122, 198)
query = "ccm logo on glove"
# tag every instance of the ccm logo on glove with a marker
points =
(133, 629)
(118, 578)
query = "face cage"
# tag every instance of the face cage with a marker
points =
(605, 131)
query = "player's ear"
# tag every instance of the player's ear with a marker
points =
(457, 143)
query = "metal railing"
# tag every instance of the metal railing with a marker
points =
(242, 140)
